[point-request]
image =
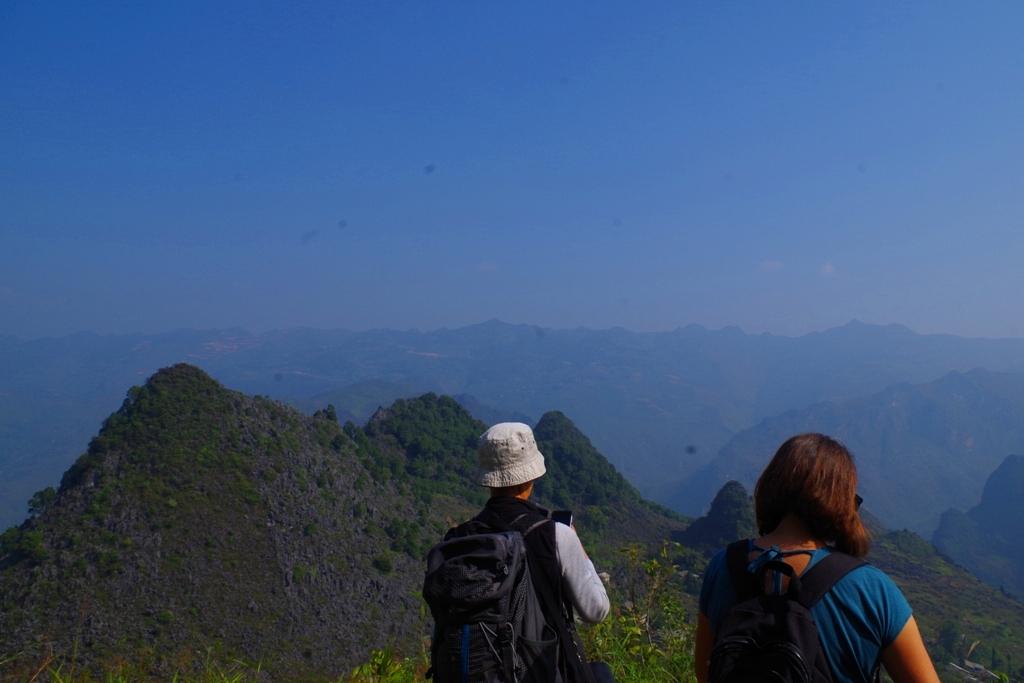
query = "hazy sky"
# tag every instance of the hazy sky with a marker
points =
(779, 166)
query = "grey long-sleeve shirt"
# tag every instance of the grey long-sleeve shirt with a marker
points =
(584, 586)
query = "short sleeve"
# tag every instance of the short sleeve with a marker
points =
(886, 607)
(862, 615)
(716, 591)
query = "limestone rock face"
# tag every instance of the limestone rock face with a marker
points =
(198, 516)
(986, 538)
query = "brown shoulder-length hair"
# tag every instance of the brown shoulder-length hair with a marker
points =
(813, 477)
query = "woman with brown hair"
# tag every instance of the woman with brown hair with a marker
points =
(806, 505)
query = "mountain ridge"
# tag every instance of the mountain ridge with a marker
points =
(919, 447)
(660, 405)
(189, 493)
(491, 323)
(200, 515)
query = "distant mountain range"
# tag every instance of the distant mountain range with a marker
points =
(661, 405)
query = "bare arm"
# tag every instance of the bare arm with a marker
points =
(702, 647)
(906, 659)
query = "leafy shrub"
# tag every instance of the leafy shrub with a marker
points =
(384, 666)
(303, 573)
(20, 544)
(41, 500)
(382, 563)
(646, 638)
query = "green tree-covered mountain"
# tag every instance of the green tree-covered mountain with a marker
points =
(203, 517)
(987, 538)
(199, 516)
(920, 449)
(729, 518)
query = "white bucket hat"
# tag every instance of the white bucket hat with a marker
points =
(508, 456)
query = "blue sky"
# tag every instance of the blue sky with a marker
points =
(784, 167)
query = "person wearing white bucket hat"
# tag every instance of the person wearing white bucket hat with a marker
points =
(510, 463)
(563, 576)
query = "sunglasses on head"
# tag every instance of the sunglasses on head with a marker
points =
(857, 500)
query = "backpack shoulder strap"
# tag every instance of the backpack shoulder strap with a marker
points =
(527, 524)
(554, 603)
(736, 562)
(820, 578)
(492, 520)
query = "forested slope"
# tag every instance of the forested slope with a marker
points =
(202, 517)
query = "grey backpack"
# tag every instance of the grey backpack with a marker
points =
(488, 623)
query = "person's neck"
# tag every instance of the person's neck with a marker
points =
(791, 534)
(523, 493)
(525, 497)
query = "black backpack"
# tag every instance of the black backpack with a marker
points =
(767, 637)
(489, 626)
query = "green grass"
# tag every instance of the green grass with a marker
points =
(383, 666)
(210, 670)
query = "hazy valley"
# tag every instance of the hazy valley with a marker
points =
(674, 411)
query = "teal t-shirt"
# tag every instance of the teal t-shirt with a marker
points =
(856, 620)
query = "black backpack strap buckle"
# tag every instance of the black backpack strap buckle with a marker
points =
(780, 567)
